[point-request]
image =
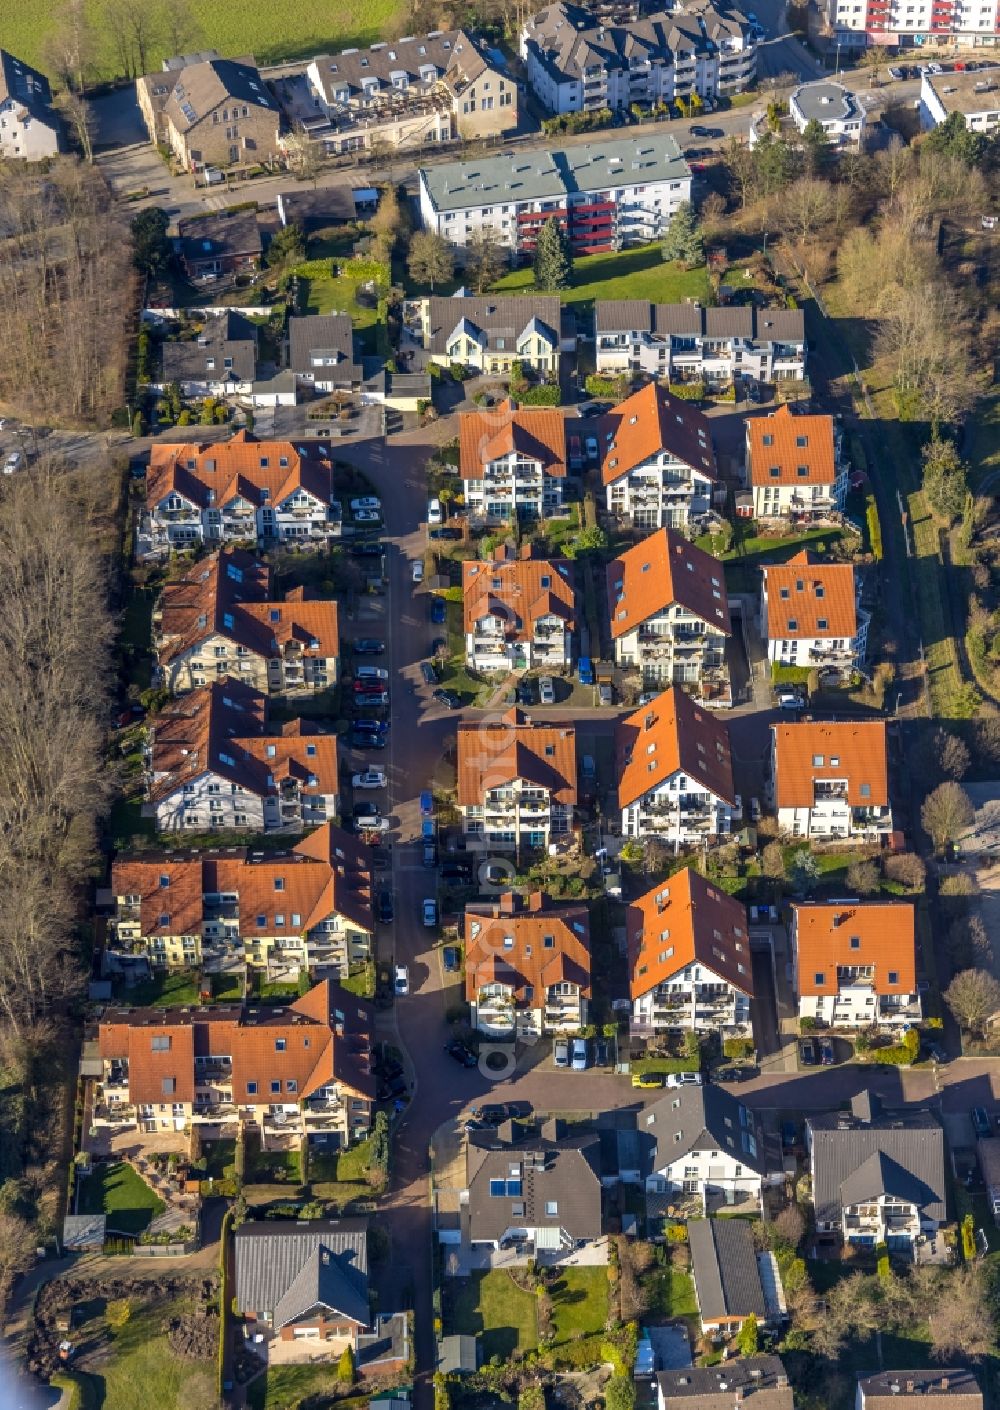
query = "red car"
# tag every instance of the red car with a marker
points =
(369, 687)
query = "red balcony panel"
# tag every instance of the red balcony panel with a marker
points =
(594, 206)
(531, 217)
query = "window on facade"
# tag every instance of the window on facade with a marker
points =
(160, 1043)
(820, 977)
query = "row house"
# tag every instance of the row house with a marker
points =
(513, 463)
(527, 966)
(279, 913)
(578, 63)
(854, 964)
(689, 959)
(489, 334)
(657, 462)
(211, 112)
(219, 619)
(302, 1071)
(604, 195)
(691, 343)
(810, 614)
(670, 616)
(675, 773)
(516, 782)
(213, 764)
(878, 1175)
(830, 782)
(794, 465)
(761, 1380)
(955, 1386)
(240, 490)
(962, 24)
(409, 93)
(30, 127)
(519, 612)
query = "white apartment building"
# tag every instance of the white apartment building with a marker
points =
(516, 782)
(675, 773)
(795, 465)
(657, 461)
(690, 343)
(854, 963)
(908, 24)
(689, 959)
(512, 463)
(975, 95)
(577, 62)
(707, 1143)
(830, 782)
(527, 966)
(837, 110)
(810, 614)
(670, 616)
(30, 128)
(604, 194)
(519, 612)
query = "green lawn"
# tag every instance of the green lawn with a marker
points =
(218, 1155)
(579, 1302)
(138, 1367)
(323, 290)
(263, 1166)
(491, 1308)
(672, 1294)
(340, 1175)
(297, 29)
(287, 1387)
(361, 981)
(165, 989)
(117, 1191)
(629, 274)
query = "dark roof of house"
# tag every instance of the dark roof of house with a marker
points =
(323, 333)
(286, 1268)
(724, 1267)
(225, 233)
(327, 205)
(224, 335)
(758, 1381)
(707, 1117)
(693, 320)
(495, 317)
(553, 1166)
(458, 1353)
(908, 1151)
(893, 1388)
(449, 52)
(28, 87)
(201, 87)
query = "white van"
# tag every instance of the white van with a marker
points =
(434, 515)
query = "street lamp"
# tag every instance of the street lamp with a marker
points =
(836, 72)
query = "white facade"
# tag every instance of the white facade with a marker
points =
(976, 96)
(693, 356)
(679, 811)
(841, 653)
(662, 492)
(834, 107)
(709, 1173)
(513, 486)
(179, 522)
(560, 1008)
(545, 644)
(211, 803)
(857, 1004)
(832, 818)
(697, 999)
(964, 23)
(675, 646)
(517, 814)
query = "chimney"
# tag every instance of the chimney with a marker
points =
(507, 903)
(945, 1383)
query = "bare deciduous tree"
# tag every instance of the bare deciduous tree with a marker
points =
(973, 997)
(960, 1324)
(946, 813)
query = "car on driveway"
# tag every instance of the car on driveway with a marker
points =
(373, 549)
(366, 502)
(434, 515)
(385, 912)
(371, 778)
(417, 570)
(439, 611)
(605, 696)
(546, 691)
(807, 1052)
(428, 672)
(361, 739)
(368, 646)
(647, 1079)
(580, 1058)
(367, 516)
(451, 959)
(448, 698)
(560, 1052)
(444, 531)
(826, 1054)
(430, 911)
(683, 1079)
(461, 1053)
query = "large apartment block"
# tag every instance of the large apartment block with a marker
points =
(211, 112)
(240, 490)
(795, 465)
(281, 913)
(301, 1071)
(604, 195)
(489, 334)
(690, 343)
(578, 63)
(516, 781)
(512, 462)
(675, 772)
(220, 619)
(810, 614)
(966, 24)
(830, 782)
(409, 92)
(520, 612)
(854, 963)
(657, 461)
(670, 616)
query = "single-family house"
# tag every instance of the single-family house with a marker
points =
(30, 127)
(519, 612)
(810, 614)
(795, 465)
(657, 462)
(758, 1382)
(513, 463)
(830, 781)
(527, 965)
(854, 963)
(706, 1143)
(321, 352)
(675, 772)
(304, 1282)
(299, 1070)
(689, 959)
(691, 343)
(955, 1388)
(878, 1176)
(320, 208)
(221, 243)
(538, 1188)
(219, 619)
(490, 333)
(214, 764)
(670, 615)
(219, 361)
(516, 781)
(839, 112)
(732, 1281)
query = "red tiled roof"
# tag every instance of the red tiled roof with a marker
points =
(670, 734)
(682, 920)
(661, 570)
(876, 934)
(215, 473)
(521, 590)
(809, 599)
(549, 944)
(788, 442)
(536, 432)
(807, 752)
(494, 753)
(651, 421)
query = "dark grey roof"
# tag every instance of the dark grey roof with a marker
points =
(564, 1171)
(892, 1388)
(280, 1268)
(222, 233)
(758, 1381)
(881, 1175)
(323, 333)
(708, 1117)
(501, 317)
(724, 1267)
(843, 1144)
(28, 87)
(327, 205)
(450, 52)
(458, 1354)
(693, 320)
(224, 335)
(825, 102)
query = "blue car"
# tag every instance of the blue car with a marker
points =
(439, 612)
(426, 803)
(585, 671)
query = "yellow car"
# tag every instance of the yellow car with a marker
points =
(647, 1079)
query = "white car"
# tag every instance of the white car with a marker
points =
(434, 515)
(933, 69)
(580, 1059)
(546, 691)
(788, 700)
(430, 912)
(560, 1052)
(401, 979)
(371, 778)
(366, 516)
(683, 1079)
(13, 462)
(417, 570)
(368, 502)
(737, 808)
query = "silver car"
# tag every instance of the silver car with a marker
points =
(560, 1052)
(546, 691)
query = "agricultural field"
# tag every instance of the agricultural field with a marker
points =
(294, 30)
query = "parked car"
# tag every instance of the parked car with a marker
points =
(981, 1122)
(605, 695)
(401, 979)
(560, 1052)
(368, 646)
(430, 854)
(895, 73)
(428, 672)
(374, 548)
(444, 531)
(361, 739)
(395, 1087)
(366, 502)
(546, 691)
(448, 698)
(933, 69)
(372, 698)
(426, 803)
(439, 611)
(755, 810)
(526, 692)
(367, 516)
(453, 870)
(683, 1079)
(647, 1079)
(371, 778)
(461, 1053)
(367, 809)
(826, 1053)
(371, 726)
(600, 1052)
(385, 911)
(430, 911)
(451, 959)
(585, 671)
(789, 1135)
(789, 700)
(807, 1052)
(434, 515)
(13, 462)
(697, 131)
(417, 570)
(580, 1057)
